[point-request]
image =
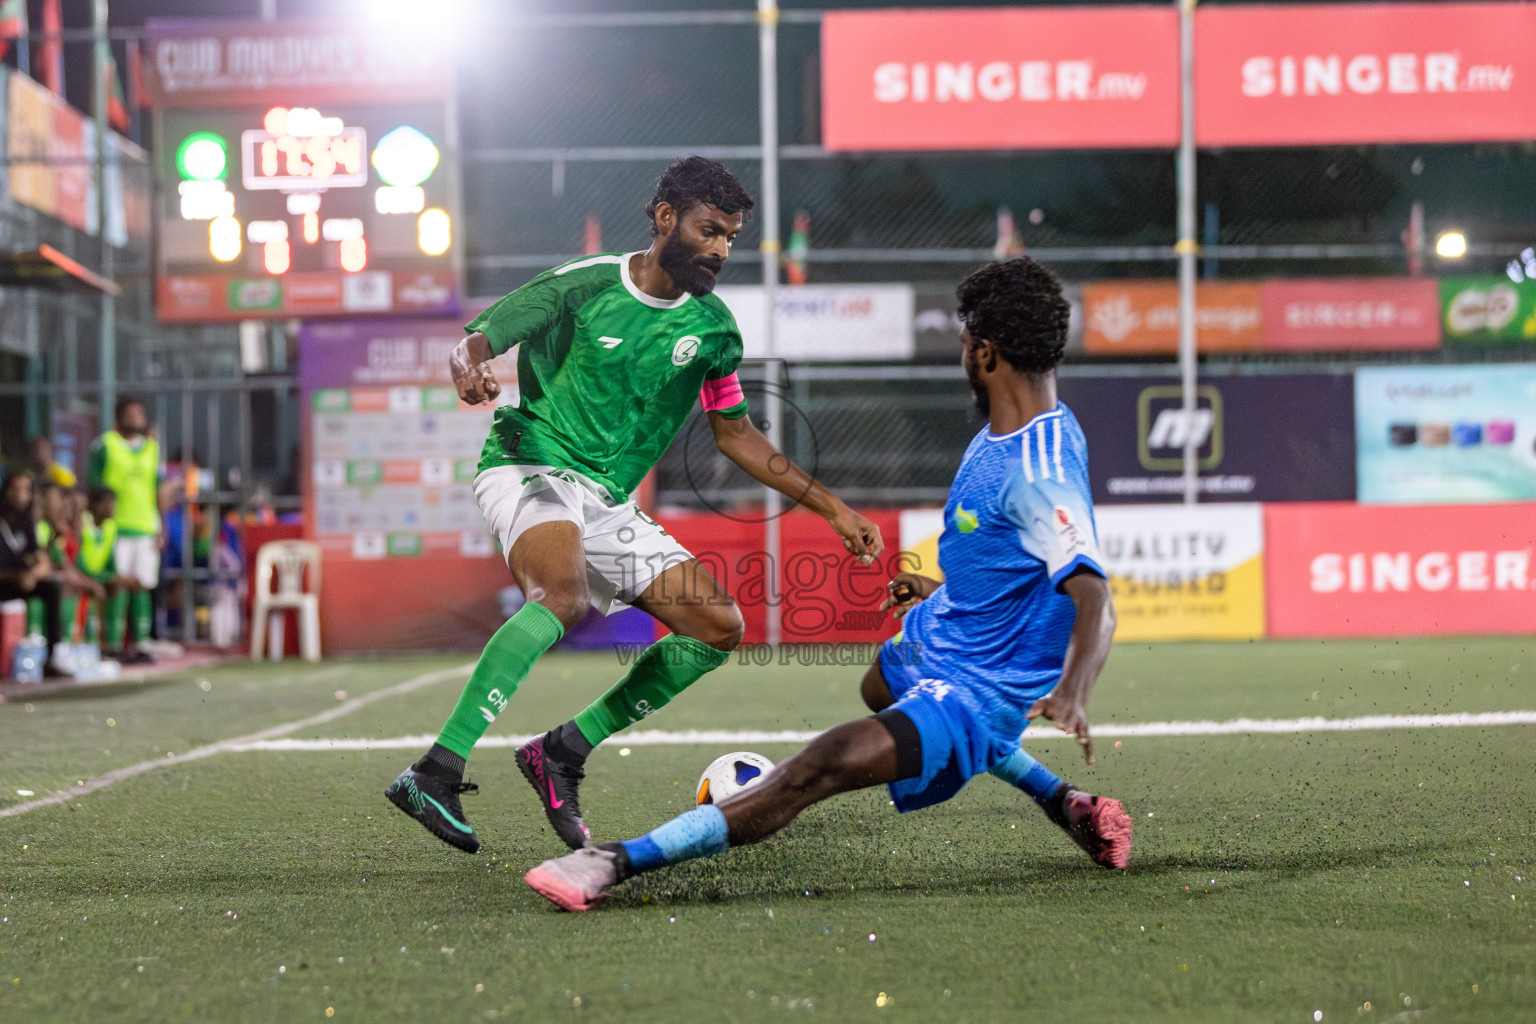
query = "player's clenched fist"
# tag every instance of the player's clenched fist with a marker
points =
(470, 366)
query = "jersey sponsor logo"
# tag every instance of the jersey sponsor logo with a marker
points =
(686, 348)
(965, 520)
(1072, 537)
(938, 689)
(610, 342)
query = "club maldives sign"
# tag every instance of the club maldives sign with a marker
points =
(1042, 78)
(1307, 74)
(201, 63)
(1075, 77)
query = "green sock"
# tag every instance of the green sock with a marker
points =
(116, 616)
(69, 607)
(143, 615)
(92, 620)
(35, 616)
(501, 668)
(664, 670)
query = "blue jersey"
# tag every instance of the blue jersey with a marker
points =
(1018, 522)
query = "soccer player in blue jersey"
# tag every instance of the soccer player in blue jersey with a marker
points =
(1019, 629)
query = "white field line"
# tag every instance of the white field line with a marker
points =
(346, 707)
(726, 737)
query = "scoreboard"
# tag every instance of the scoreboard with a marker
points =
(303, 170)
(305, 211)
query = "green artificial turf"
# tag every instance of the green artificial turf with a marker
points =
(1274, 876)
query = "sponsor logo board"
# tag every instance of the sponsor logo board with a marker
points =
(820, 322)
(1315, 74)
(1000, 79)
(1283, 437)
(1182, 573)
(1446, 434)
(1350, 314)
(1483, 310)
(1142, 317)
(1340, 569)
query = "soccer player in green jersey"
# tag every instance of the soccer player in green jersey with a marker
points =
(613, 351)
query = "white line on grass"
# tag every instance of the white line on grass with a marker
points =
(657, 737)
(239, 742)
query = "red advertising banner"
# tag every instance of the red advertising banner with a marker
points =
(1350, 314)
(202, 63)
(1044, 78)
(1341, 569)
(1308, 75)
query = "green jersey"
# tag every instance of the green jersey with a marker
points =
(606, 373)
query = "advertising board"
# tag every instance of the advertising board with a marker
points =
(1489, 309)
(825, 322)
(1123, 318)
(1057, 78)
(1350, 314)
(1446, 434)
(1341, 569)
(1272, 437)
(1184, 573)
(1327, 74)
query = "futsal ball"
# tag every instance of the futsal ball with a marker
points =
(731, 773)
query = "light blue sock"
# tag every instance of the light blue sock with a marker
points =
(1031, 776)
(699, 833)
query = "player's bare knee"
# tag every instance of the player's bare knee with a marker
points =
(719, 626)
(567, 601)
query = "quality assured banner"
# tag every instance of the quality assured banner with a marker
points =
(1311, 74)
(1446, 434)
(1357, 570)
(1142, 317)
(1350, 314)
(1042, 78)
(1185, 573)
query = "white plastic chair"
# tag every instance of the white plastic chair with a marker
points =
(296, 565)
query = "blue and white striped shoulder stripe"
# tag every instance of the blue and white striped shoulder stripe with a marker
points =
(1042, 448)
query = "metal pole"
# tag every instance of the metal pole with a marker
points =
(107, 336)
(1187, 247)
(768, 89)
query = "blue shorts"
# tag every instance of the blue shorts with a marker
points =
(959, 739)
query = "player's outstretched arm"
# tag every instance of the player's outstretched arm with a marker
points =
(741, 442)
(1088, 649)
(470, 365)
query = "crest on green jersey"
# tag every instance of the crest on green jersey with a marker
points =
(685, 349)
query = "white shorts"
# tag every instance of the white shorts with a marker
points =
(625, 548)
(138, 559)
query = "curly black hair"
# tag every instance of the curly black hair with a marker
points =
(696, 180)
(1017, 306)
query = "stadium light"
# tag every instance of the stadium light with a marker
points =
(1451, 245)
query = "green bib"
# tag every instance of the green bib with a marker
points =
(134, 476)
(96, 544)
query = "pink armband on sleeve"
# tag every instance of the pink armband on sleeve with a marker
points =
(721, 394)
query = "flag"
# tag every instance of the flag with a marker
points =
(592, 235)
(106, 78)
(1413, 240)
(135, 75)
(50, 52)
(797, 253)
(1009, 242)
(13, 23)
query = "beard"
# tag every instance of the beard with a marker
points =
(980, 400)
(693, 274)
